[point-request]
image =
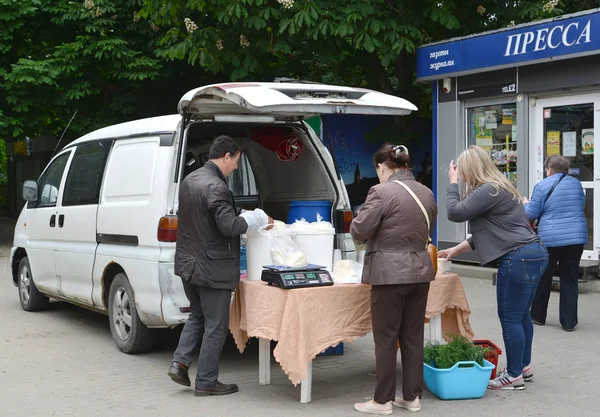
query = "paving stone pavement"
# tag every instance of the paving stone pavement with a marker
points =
(62, 362)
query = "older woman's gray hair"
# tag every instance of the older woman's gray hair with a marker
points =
(558, 164)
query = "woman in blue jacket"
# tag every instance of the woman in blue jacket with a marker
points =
(558, 202)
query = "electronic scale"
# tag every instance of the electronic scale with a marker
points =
(288, 278)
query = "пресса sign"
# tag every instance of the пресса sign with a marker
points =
(521, 45)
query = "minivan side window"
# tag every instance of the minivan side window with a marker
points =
(85, 174)
(49, 182)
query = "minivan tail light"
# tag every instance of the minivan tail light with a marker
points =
(167, 229)
(343, 220)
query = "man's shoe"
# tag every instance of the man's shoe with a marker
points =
(371, 407)
(527, 374)
(179, 374)
(538, 322)
(505, 381)
(413, 406)
(218, 389)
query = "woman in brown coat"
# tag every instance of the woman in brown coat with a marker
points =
(399, 269)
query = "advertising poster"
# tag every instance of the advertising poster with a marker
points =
(587, 141)
(483, 135)
(552, 143)
(353, 140)
(569, 144)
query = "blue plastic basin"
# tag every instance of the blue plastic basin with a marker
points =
(458, 383)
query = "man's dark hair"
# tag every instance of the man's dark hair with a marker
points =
(223, 145)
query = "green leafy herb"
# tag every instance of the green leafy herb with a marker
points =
(460, 349)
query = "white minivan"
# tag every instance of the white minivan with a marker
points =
(100, 224)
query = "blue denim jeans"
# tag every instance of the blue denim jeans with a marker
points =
(519, 272)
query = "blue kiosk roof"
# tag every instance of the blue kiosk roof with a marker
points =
(567, 36)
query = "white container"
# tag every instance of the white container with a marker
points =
(443, 265)
(258, 254)
(317, 246)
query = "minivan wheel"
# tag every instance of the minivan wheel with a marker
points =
(128, 331)
(30, 297)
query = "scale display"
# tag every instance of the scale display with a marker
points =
(288, 278)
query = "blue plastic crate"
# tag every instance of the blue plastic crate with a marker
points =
(458, 383)
(333, 350)
(308, 210)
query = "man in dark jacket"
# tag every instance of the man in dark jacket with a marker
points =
(207, 258)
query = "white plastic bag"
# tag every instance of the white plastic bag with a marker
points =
(284, 252)
(303, 226)
(346, 271)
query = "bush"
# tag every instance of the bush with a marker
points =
(460, 349)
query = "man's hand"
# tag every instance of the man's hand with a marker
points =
(525, 200)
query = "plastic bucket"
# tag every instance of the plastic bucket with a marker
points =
(317, 246)
(308, 210)
(258, 254)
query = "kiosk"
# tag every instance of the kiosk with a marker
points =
(523, 93)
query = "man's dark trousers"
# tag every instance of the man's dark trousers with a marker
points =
(207, 326)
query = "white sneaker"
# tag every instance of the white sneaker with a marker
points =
(505, 382)
(414, 405)
(371, 407)
(527, 374)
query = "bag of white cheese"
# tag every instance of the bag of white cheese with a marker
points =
(284, 252)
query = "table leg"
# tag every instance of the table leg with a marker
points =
(306, 386)
(435, 329)
(264, 361)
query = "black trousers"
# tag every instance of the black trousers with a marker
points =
(398, 315)
(206, 327)
(567, 258)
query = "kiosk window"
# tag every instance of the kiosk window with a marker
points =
(494, 128)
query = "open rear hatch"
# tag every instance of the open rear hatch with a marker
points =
(265, 103)
(287, 101)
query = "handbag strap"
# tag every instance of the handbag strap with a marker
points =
(414, 196)
(554, 186)
(536, 221)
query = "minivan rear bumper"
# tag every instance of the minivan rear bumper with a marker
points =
(13, 250)
(173, 296)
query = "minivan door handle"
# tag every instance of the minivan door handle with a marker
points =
(53, 220)
(61, 220)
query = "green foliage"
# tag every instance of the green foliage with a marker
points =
(62, 55)
(460, 349)
(3, 177)
(3, 163)
(115, 60)
(368, 43)
(254, 37)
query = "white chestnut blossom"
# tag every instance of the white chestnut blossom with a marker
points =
(287, 4)
(190, 25)
(550, 5)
